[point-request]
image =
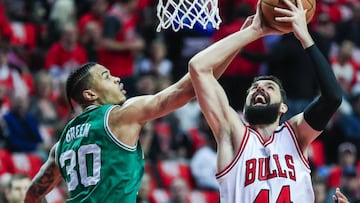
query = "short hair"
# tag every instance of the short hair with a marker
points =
(274, 79)
(77, 82)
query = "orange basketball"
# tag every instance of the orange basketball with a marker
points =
(268, 13)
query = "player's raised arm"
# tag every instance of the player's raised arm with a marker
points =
(316, 116)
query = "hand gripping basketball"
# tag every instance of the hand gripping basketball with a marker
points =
(268, 13)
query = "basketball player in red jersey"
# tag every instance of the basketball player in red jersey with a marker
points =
(262, 160)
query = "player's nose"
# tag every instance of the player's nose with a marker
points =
(117, 80)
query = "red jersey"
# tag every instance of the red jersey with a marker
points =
(120, 63)
(67, 60)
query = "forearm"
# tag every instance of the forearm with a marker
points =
(46, 180)
(319, 112)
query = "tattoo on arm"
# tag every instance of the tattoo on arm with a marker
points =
(46, 180)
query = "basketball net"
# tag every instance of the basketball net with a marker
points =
(179, 14)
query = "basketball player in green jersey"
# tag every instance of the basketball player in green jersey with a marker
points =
(98, 153)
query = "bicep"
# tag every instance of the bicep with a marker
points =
(304, 132)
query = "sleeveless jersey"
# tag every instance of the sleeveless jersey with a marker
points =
(271, 171)
(95, 165)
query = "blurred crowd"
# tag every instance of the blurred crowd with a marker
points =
(42, 41)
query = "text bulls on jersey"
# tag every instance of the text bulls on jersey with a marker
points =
(269, 167)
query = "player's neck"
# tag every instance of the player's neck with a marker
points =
(266, 130)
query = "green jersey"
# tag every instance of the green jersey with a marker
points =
(95, 165)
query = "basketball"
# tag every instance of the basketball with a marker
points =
(268, 13)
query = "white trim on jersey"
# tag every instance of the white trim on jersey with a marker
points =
(112, 136)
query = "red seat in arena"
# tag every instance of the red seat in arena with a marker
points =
(24, 163)
(159, 195)
(170, 169)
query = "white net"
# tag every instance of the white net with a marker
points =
(179, 14)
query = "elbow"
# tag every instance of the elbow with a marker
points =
(336, 100)
(197, 68)
(192, 66)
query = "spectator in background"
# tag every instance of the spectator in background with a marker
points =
(90, 27)
(349, 121)
(349, 185)
(179, 191)
(42, 107)
(96, 14)
(320, 189)
(62, 12)
(324, 33)
(66, 54)
(188, 116)
(151, 143)
(347, 155)
(344, 66)
(42, 103)
(16, 189)
(350, 29)
(203, 163)
(146, 83)
(121, 43)
(11, 78)
(156, 61)
(21, 129)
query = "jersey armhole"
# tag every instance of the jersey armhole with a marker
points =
(228, 168)
(112, 135)
(297, 146)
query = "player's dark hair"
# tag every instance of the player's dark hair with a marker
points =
(277, 81)
(77, 82)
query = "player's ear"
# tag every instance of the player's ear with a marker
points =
(89, 95)
(283, 108)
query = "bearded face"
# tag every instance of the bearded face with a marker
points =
(257, 115)
(260, 111)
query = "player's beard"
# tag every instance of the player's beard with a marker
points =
(262, 115)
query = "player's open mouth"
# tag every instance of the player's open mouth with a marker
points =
(260, 99)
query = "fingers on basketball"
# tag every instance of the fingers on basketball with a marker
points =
(268, 13)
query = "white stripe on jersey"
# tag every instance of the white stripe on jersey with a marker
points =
(267, 171)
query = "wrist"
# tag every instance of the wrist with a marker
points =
(255, 32)
(306, 41)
